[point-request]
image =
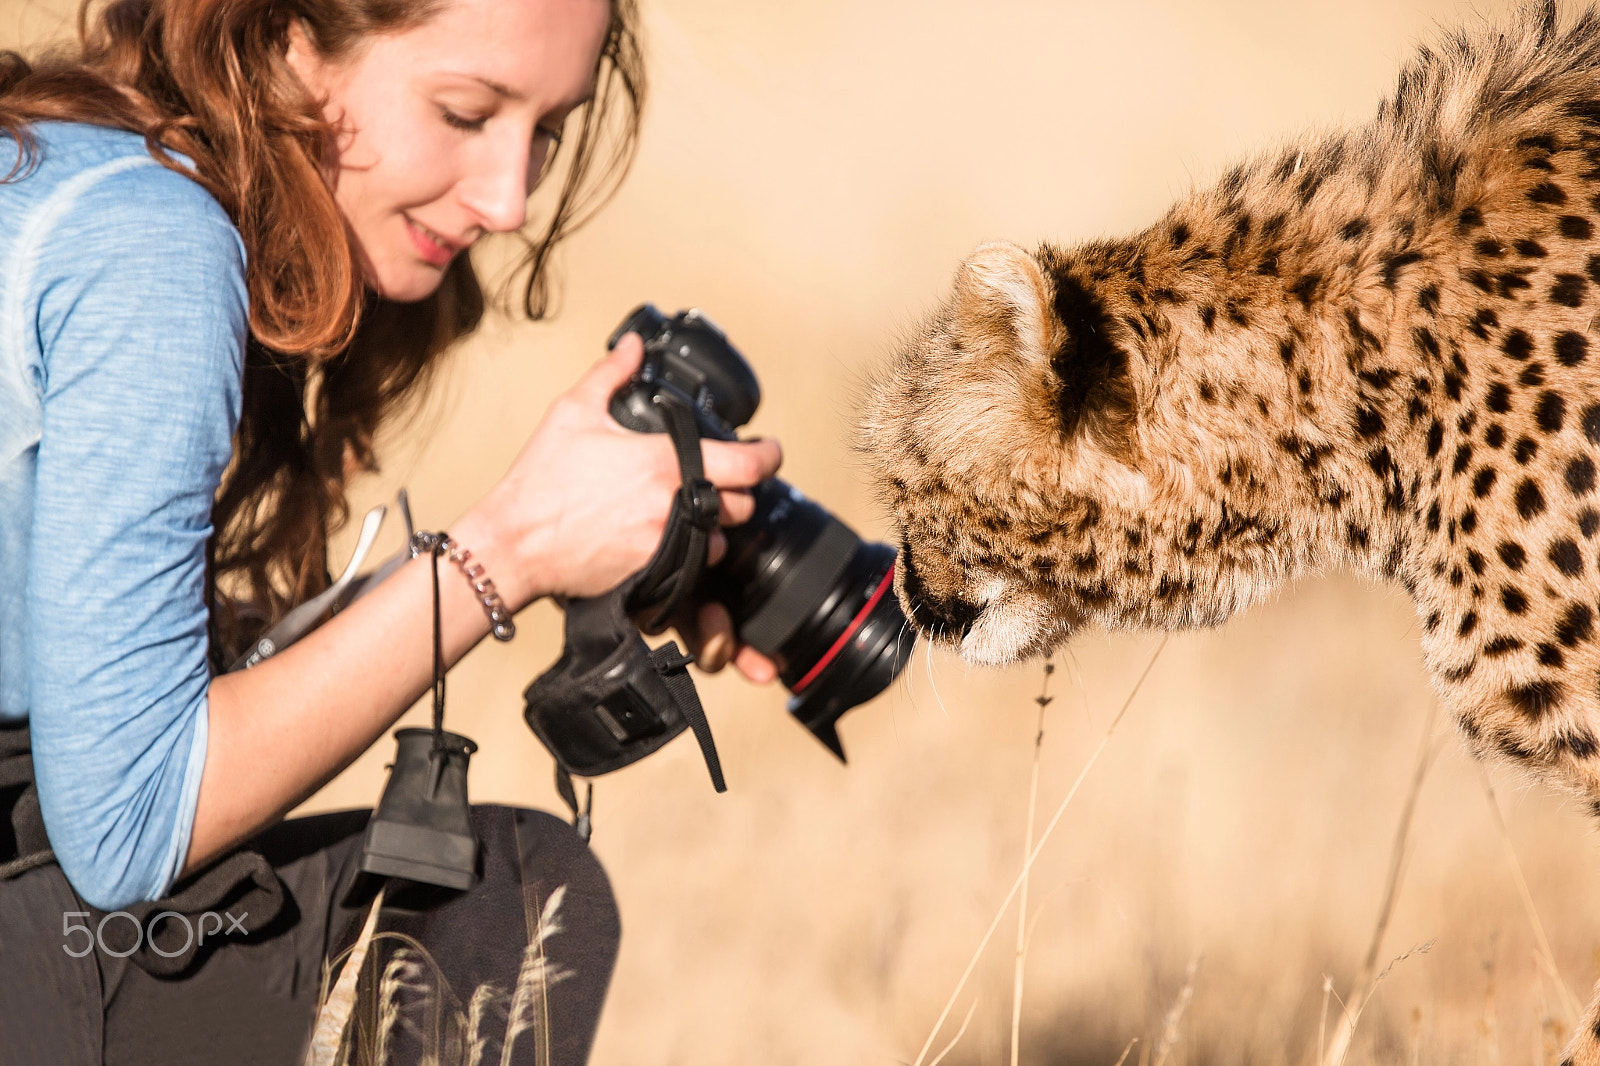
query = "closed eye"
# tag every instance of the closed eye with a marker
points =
(461, 122)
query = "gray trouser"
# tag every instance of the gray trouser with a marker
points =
(442, 974)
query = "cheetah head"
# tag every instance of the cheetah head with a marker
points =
(1031, 485)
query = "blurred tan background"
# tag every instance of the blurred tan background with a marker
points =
(810, 175)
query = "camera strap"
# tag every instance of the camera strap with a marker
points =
(672, 574)
(611, 699)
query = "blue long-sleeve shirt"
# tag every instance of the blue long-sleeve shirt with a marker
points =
(123, 319)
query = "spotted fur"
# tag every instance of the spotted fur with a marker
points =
(1377, 349)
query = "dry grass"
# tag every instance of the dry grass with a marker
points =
(1032, 850)
(1483, 1040)
(1174, 1020)
(1368, 978)
(1043, 700)
(389, 993)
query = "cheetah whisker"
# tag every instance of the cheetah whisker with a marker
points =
(927, 659)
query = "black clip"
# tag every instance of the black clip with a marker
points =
(701, 504)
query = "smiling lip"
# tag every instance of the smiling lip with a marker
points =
(432, 247)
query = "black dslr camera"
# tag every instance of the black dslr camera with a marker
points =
(802, 588)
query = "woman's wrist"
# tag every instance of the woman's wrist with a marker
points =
(504, 554)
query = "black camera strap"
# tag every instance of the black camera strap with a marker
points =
(674, 571)
(610, 699)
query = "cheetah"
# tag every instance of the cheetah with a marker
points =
(1371, 348)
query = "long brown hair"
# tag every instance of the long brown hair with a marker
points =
(327, 361)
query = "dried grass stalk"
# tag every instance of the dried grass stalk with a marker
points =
(1367, 977)
(957, 1038)
(1043, 700)
(1547, 957)
(327, 1034)
(530, 1007)
(1169, 1031)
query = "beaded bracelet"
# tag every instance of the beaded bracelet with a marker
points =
(500, 624)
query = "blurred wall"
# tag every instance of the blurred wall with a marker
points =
(810, 175)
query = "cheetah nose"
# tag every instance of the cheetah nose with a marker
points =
(949, 619)
(938, 617)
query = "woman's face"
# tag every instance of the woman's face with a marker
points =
(445, 127)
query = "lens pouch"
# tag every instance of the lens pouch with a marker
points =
(422, 828)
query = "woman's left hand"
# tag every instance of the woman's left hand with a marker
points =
(711, 637)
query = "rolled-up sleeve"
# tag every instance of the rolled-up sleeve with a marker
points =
(139, 300)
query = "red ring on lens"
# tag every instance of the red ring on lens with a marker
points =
(849, 631)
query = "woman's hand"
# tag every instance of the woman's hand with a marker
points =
(584, 505)
(712, 639)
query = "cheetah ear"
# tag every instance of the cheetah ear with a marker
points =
(1057, 334)
(1003, 303)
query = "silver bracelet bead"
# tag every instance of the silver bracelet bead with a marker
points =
(500, 624)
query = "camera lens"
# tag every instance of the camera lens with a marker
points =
(808, 593)
(802, 588)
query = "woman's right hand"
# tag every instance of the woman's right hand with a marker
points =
(584, 504)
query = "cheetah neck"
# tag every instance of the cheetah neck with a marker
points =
(1279, 371)
(1347, 359)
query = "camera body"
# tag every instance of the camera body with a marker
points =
(801, 586)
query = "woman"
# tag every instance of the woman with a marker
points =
(233, 243)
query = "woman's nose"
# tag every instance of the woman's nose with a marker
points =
(496, 190)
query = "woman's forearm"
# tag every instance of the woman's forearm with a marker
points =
(283, 729)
